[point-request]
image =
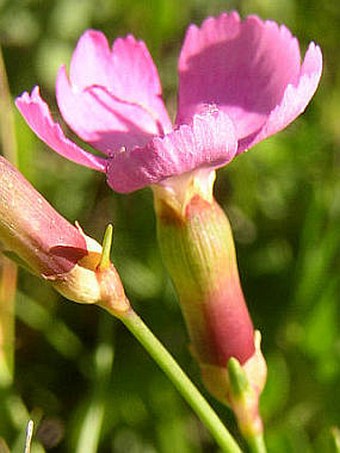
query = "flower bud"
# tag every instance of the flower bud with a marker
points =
(40, 238)
(198, 249)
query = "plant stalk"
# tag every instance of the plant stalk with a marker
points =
(181, 381)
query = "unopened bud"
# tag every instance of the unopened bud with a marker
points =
(48, 245)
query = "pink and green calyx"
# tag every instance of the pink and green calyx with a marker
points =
(198, 250)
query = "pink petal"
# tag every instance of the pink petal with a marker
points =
(295, 99)
(36, 113)
(208, 142)
(127, 72)
(242, 67)
(102, 120)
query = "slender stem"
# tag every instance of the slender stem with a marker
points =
(181, 381)
(256, 444)
(8, 270)
(7, 122)
(8, 274)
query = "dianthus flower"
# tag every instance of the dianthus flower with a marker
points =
(239, 82)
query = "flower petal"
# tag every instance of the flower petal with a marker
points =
(102, 120)
(208, 142)
(127, 72)
(36, 113)
(294, 101)
(243, 67)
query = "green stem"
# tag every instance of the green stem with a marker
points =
(256, 444)
(7, 122)
(181, 381)
(8, 274)
(8, 270)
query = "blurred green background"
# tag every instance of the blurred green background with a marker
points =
(78, 373)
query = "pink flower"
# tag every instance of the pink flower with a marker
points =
(239, 82)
